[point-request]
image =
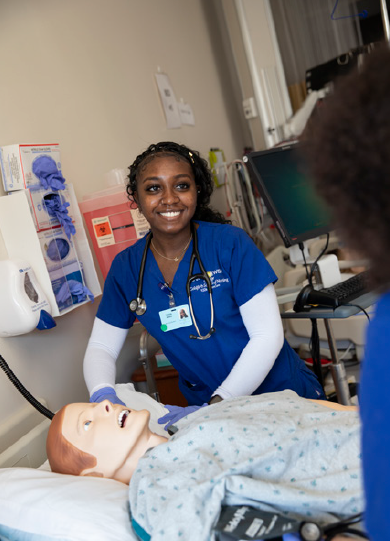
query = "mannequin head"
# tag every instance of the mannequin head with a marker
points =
(101, 440)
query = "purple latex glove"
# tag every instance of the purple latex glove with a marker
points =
(176, 413)
(106, 393)
(45, 168)
(73, 287)
(58, 249)
(59, 210)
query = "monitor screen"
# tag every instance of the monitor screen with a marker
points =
(280, 177)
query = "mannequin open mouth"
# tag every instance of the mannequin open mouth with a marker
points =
(122, 418)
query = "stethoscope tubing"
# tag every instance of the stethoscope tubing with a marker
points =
(202, 276)
(138, 305)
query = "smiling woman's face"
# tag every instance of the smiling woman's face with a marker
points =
(167, 194)
(112, 433)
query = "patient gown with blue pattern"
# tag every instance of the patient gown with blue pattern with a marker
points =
(276, 451)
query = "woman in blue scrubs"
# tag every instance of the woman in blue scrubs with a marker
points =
(229, 345)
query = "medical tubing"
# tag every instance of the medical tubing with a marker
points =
(27, 395)
(352, 531)
(344, 526)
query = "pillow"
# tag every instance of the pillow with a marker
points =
(38, 505)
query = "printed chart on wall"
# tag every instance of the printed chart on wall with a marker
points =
(168, 101)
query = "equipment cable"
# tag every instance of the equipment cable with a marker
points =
(22, 389)
(344, 526)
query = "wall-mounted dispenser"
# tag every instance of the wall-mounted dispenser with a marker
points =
(23, 304)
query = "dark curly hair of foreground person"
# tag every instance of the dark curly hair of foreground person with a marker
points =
(348, 147)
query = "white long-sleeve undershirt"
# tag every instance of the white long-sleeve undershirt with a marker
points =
(261, 318)
(104, 346)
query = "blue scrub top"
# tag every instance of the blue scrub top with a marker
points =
(238, 271)
(374, 407)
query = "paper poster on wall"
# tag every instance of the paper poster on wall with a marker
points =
(186, 114)
(168, 100)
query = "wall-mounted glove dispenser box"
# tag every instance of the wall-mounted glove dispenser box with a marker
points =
(58, 261)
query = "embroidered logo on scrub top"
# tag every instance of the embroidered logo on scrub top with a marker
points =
(216, 278)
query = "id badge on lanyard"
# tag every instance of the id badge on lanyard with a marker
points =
(176, 317)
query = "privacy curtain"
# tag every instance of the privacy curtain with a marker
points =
(308, 36)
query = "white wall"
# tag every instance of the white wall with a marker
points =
(259, 66)
(81, 73)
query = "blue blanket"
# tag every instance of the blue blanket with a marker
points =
(275, 451)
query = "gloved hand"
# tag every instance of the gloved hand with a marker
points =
(45, 168)
(73, 287)
(176, 413)
(106, 393)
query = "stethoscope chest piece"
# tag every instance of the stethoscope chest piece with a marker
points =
(138, 306)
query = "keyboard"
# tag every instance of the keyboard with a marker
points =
(347, 291)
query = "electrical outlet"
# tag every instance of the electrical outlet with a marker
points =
(249, 106)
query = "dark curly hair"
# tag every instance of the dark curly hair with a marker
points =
(348, 147)
(200, 168)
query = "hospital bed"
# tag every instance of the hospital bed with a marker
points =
(36, 504)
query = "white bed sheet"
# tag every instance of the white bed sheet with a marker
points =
(38, 505)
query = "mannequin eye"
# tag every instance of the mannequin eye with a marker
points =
(87, 425)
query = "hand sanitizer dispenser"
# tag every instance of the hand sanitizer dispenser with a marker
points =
(23, 304)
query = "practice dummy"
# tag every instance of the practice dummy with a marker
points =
(101, 440)
(298, 456)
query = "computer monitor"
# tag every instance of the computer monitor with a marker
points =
(281, 178)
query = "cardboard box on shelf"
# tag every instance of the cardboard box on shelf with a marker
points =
(37, 201)
(38, 205)
(62, 262)
(17, 160)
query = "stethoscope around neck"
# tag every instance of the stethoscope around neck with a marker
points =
(138, 305)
